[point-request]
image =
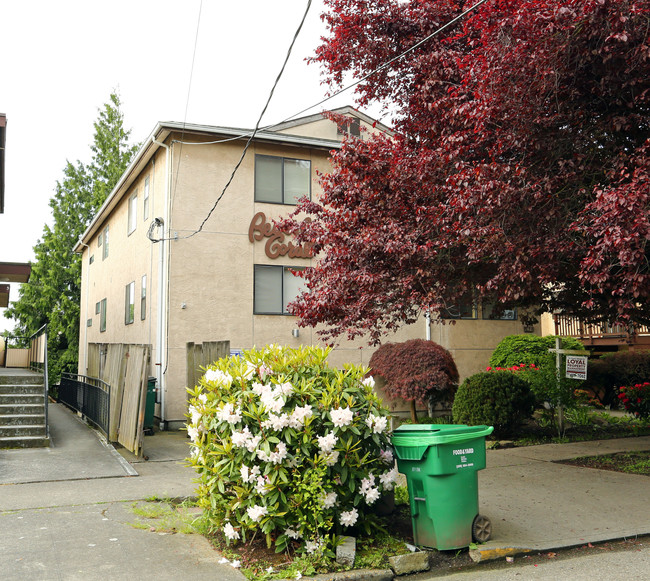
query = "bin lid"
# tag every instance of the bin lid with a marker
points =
(431, 434)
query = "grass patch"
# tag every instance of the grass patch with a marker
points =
(168, 516)
(628, 462)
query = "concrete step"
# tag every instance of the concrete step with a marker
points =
(21, 379)
(18, 398)
(22, 408)
(21, 419)
(13, 388)
(24, 442)
(34, 431)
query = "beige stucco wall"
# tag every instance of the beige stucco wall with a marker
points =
(130, 257)
(211, 273)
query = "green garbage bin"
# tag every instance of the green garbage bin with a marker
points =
(441, 464)
(150, 406)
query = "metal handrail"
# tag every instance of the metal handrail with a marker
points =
(85, 398)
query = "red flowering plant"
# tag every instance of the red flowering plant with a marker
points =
(636, 399)
(514, 368)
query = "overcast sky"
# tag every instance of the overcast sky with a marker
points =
(61, 60)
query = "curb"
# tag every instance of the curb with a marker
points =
(479, 555)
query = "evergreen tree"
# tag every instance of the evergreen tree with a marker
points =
(53, 293)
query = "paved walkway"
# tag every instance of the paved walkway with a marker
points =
(64, 512)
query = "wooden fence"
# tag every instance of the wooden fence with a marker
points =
(126, 369)
(201, 355)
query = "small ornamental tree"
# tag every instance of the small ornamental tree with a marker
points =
(289, 447)
(418, 371)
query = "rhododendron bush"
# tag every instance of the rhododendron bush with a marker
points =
(285, 445)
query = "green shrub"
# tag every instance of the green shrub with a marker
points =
(608, 373)
(527, 349)
(500, 399)
(289, 447)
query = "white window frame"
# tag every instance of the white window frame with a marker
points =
(132, 217)
(145, 200)
(129, 303)
(143, 298)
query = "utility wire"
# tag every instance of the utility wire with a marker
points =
(354, 84)
(259, 120)
(335, 94)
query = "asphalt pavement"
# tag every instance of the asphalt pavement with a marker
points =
(65, 510)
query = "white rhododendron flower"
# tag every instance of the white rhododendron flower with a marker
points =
(276, 422)
(329, 500)
(349, 518)
(203, 397)
(298, 416)
(386, 456)
(326, 443)
(368, 489)
(228, 413)
(292, 534)
(256, 512)
(193, 433)
(196, 415)
(275, 457)
(331, 458)
(342, 417)
(219, 377)
(369, 381)
(312, 546)
(389, 478)
(230, 532)
(377, 424)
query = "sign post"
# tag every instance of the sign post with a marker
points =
(577, 369)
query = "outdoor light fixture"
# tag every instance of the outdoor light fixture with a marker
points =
(295, 332)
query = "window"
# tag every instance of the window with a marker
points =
(89, 323)
(505, 315)
(143, 298)
(145, 198)
(465, 309)
(105, 250)
(129, 303)
(133, 213)
(275, 288)
(99, 240)
(98, 307)
(102, 316)
(280, 180)
(92, 259)
(352, 128)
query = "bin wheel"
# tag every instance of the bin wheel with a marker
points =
(481, 529)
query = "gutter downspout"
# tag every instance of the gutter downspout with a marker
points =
(427, 320)
(161, 326)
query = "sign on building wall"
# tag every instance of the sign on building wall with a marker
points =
(576, 367)
(275, 246)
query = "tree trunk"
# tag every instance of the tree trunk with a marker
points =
(414, 415)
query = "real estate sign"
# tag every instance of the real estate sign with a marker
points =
(576, 367)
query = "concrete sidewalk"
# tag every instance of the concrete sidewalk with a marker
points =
(535, 504)
(64, 513)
